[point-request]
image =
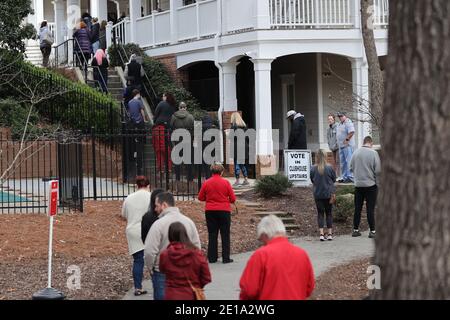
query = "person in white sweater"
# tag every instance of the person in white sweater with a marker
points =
(158, 238)
(133, 209)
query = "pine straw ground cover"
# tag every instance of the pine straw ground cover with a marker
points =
(95, 242)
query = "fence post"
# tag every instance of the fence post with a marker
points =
(166, 147)
(94, 163)
(80, 178)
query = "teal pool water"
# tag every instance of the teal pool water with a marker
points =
(9, 197)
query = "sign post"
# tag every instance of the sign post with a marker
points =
(297, 167)
(49, 293)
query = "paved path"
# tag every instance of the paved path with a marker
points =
(324, 255)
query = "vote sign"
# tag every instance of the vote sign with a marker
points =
(297, 166)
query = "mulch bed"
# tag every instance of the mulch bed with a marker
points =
(345, 282)
(300, 202)
(94, 241)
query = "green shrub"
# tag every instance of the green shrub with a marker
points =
(78, 106)
(14, 116)
(271, 186)
(342, 190)
(345, 206)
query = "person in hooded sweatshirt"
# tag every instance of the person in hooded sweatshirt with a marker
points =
(183, 265)
(297, 137)
(182, 119)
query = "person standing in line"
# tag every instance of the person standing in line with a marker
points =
(279, 270)
(158, 238)
(82, 45)
(346, 143)
(45, 43)
(218, 194)
(297, 137)
(160, 131)
(237, 123)
(138, 120)
(134, 72)
(150, 217)
(323, 178)
(183, 264)
(332, 141)
(134, 207)
(182, 119)
(366, 166)
(101, 65)
(95, 35)
(102, 35)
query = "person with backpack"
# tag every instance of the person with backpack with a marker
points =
(184, 266)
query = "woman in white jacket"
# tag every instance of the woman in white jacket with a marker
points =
(134, 208)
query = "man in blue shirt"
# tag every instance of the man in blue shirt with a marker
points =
(346, 143)
(137, 124)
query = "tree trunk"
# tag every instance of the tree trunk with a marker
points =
(413, 240)
(376, 82)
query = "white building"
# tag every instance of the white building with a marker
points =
(261, 57)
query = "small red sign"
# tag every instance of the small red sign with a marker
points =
(53, 198)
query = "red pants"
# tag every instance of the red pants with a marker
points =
(161, 144)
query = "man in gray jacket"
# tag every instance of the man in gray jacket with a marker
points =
(365, 165)
(158, 238)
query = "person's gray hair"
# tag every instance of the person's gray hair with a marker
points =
(271, 226)
(133, 57)
(183, 105)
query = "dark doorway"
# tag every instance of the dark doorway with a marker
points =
(204, 84)
(245, 85)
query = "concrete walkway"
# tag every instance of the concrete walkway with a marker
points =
(324, 255)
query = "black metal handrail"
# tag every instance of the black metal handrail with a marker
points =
(78, 60)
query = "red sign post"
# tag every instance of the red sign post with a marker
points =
(53, 198)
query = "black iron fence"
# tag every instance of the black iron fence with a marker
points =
(94, 166)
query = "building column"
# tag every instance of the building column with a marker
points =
(99, 9)
(360, 76)
(229, 86)
(38, 6)
(135, 13)
(266, 161)
(262, 15)
(60, 25)
(321, 119)
(73, 15)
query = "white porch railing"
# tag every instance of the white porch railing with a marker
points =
(311, 13)
(381, 13)
(197, 20)
(121, 31)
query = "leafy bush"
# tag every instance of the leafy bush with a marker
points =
(14, 116)
(345, 206)
(342, 190)
(158, 75)
(78, 106)
(271, 186)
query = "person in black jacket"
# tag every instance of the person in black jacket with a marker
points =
(95, 35)
(297, 137)
(150, 217)
(134, 72)
(101, 65)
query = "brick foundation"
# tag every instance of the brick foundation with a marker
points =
(180, 77)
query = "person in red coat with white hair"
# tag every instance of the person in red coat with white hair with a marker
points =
(279, 270)
(218, 194)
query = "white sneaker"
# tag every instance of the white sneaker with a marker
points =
(330, 237)
(322, 237)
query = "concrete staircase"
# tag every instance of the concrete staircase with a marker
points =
(33, 54)
(287, 217)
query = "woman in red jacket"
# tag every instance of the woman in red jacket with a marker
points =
(218, 194)
(183, 264)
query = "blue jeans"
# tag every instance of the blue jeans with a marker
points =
(237, 170)
(138, 269)
(159, 285)
(345, 155)
(95, 46)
